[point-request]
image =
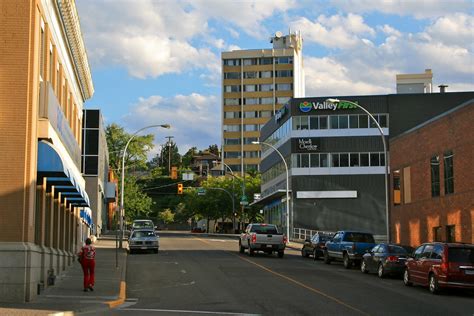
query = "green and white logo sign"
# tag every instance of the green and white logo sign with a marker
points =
(306, 106)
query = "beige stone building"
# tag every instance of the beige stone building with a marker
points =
(256, 83)
(44, 80)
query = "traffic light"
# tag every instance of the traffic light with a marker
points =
(180, 188)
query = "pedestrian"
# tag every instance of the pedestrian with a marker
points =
(87, 260)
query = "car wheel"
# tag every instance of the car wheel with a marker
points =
(315, 255)
(281, 254)
(380, 271)
(406, 278)
(327, 260)
(433, 284)
(363, 267)
(241, 248)
(347, 262)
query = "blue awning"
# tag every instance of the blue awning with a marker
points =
(59, 175)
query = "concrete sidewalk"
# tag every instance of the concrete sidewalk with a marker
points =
(66, 297)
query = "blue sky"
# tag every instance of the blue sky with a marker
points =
(158, 62)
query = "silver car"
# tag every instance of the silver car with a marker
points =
(143, 239)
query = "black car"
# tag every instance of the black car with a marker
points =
(314, 246)
(385, 259)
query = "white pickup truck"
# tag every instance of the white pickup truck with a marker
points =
(262, 237)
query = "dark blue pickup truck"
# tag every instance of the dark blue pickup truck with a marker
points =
(348, 246)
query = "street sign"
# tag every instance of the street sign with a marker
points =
(244, 203)
(201, 191)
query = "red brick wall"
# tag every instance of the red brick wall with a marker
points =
(414, 221)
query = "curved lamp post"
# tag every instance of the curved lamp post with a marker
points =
(287, 187)
(122, 213)
(337, 101)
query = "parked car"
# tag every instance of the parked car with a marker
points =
(262, 237)
(348, 246)
(441, 265)
(143, 239)
(314, 246)
(142, 224)
(385, 259)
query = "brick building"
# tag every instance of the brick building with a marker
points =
(44, 81)
(433, 187)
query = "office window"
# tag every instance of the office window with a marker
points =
(396, 188)
(249, 140)
(437, 233)
(232, 88)
(232, 141)
(250, 114)
(363, 121)
(323, 160)
(334, 119)
(343, 121)
(353, 121)
(231, 115)
(92, 119)
(266, 74)
(266, 114)
(314, 160)
(451, 233)
(251, 154)
(91, 165)
(448, 172)
(251, 127)
(232, 101)
(266, 87)
(304, 161)
(354, 160)
(284, 87)
(364, 160)
(343, 160)
(250, 61)
(231, 154)
(282, 100)
(250, 88)
(435, 181)
(250, 101)
(232, 62)
(231, 128)
(266, 61)
(284, 73)
(284, 60)
(323, 122)
(375, 159)
(250, 74)
(92, 142)
(335, 160)
(231, 75)
(266, 100)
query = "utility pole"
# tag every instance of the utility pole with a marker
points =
(169, 154)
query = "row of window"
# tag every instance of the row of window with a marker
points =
(259, 74)
(256, 101)
(336, 160)
(237, 154)
(247, 114)
(259, 61)
(247, 127)
(237, 141)
(259, 87)
(338, 121)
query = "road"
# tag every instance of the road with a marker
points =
(194, 275)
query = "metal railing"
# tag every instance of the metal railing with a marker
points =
(300, 234)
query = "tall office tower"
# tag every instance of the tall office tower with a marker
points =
(256, 83)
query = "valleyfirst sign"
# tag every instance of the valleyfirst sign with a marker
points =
(306, 106)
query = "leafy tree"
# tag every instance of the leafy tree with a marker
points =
(167, 216)
(214, 149)
(175, 156)
(188, 157)
(136, 203)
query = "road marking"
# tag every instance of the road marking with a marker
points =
(184, 311)
(293, 281)
(183, 271)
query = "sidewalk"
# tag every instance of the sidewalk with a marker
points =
(66, 297)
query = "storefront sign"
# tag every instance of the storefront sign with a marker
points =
(306, 106)
(307, 144)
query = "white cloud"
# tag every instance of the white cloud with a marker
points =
(455, 29)
(388, 30)
(419, 8)
(195, 119)
(334, 31)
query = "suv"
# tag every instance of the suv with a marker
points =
(348, 246)
(441, 265)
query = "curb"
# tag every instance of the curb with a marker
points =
(123, 286)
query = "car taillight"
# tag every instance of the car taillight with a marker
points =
(254, 238)
(285, 240)
(392, 259)
(444, 267)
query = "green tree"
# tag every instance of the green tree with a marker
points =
(188, 157)
(175, 156)
(137, 204)
(166, 216)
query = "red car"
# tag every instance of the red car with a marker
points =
(441, 265)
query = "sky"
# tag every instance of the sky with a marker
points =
(156, 62)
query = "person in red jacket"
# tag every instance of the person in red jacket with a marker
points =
(87, 260)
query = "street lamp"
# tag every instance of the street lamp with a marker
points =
(233, 192)
(123, 175)
(337, 101)
(287, 187)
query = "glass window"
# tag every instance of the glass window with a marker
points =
(284, 73)
(343, 121)
(323, 122)
(266, 87)
(251, 154)
(383, 120)
(343, 160)
(437, 252)
(251, 127)
(92, 142)
(314, 159)
(353, 121)
(231, 115)
(323, 160)
(266, 100)
(375, 159)
(266, 114)
(232, 141)
(451, 233)
(435, 180)
(232, 101)
(284, 60)
(250, 88)
(250, 114)
(314, 122)
(249, 140)
(396, 187)
(265, 74)
(427, 251)
(363, 121)
(334, 119)
(266, 61)
(232, 88)
(304, 122)
(231, 128)
(283, 100)
(437, 233)
(335, 160)
(231, 154)
(250, 61)
(250, 101)
(304, 161)
(231, 75)
(448, 172)
(364, 160)
(250, 74)
(284, 87)
(418, 252)
(461, 254)
(232, 62)
(354, 160)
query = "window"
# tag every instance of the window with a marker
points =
(344, 160)
(314, 122)
(232, 141)
(353, 121)
(265, 74)
(250, 61)
(231, 115)
(250, 88)
(231, 154)
(396, 187)
(364, 160)
(375, 159)
(42, 52)
(266, 114)
(250, 74)
(232, 88)
(266, 100)
(282, 100)
(250, 114)
(304, 161)
(231, 128)
(300, 122)
(335, 160)
(323, 160)
(314, 160)
(284, 87)
(51, 64)
(354, 160)
(363, 121)
(434, 165)
(448, 173)
(266, 61)
(451, 233)
(232, 101)
(343, 121)
(231, 62)
(284, 60)
(334, 121)
(251, 127)
(418, 252)
(284, 73)
(231, 75)
(323, 122)
(249, 140)
(427, 251)
(250, 101)
(251, 154)
(266, 87)
(437, 233)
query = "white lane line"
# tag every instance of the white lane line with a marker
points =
(223, 240)
(183, 271)
(184, 311)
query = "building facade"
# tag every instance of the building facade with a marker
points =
(255, 84)
(432, 187)
(336, 158)
(44, 81)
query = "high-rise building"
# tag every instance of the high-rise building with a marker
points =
(256, 83)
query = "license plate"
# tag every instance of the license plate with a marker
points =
(470, 272)
(269, 246)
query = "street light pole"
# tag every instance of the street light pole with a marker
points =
(287, 187)
(122, 213)
(336, 101)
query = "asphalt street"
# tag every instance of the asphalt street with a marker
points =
(196, 275)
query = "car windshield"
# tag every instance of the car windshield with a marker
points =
(323, 238)
(359, 237)
(143, 233)
(461, 255)
(397, 250)
(144, 224)
(264, 229)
